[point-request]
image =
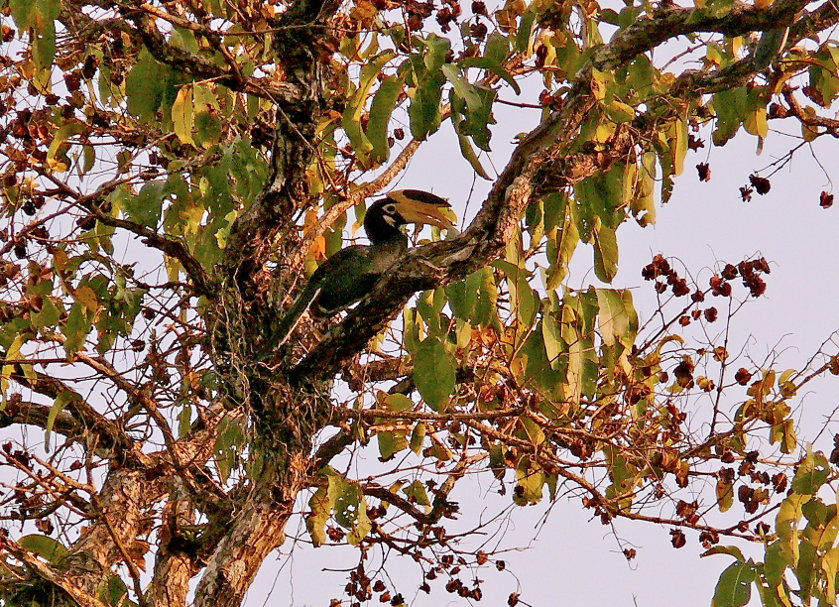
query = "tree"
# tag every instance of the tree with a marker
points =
(169, 171)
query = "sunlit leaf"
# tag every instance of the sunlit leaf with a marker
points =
(183, 111)
(812, 473)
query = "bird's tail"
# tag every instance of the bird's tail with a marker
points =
(290, 320)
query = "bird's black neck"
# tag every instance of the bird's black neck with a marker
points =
(380, 231)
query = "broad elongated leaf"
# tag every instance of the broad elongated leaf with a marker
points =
(44, 546)
(145, 86)
(562, 245)
(617, 317)
(183, 111)
(734, 586)
(61, 136)
(605, 244)
(320, 508)
(383, 104)
(351, 119)
(350, 507)
(434, 373)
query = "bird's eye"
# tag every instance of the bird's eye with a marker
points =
(390, 209)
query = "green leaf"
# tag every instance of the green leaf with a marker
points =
(44, 546)
(491, 65)
(469, 154)
(734, 586)
(12, 353)
(427, 91)
(601, 196)
(775, 563)
(486, 307)
(43, 51)
(391, 443)
(383, 104)
(524, 301)
(145, 86)
(351, 119)
(474, 105)
(350, 507)
(824, 74)
(642, 190)
(49, 315)
(418, 437)
(561, 247)
(678, 140)
(475, 298)
(729, 550)
(786, 525)
(812, 474)
(417, 494)
(145, 208)
(530, 480)
(730, 108)
(551, 336)
(830, 566)
(755, 123)
(461, 87)
(61, 401)
(525, 30)
(24, 12)
(806, 570)
(725, 494)
(76, 328)
(623, 476)
(463, 297)
(434, 373)
(230, 436)
(605, 244)
(619, 111)
(497, 48)
(112, 590)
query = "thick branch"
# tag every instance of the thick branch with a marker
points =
(76, 420)
(48, 574)
(671, 21)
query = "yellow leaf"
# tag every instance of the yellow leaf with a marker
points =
(182, 114)
(87, 298)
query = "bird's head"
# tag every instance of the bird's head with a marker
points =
(406, 206)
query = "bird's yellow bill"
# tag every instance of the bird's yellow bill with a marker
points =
(420, 207)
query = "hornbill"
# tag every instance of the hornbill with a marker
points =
(351, 273)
